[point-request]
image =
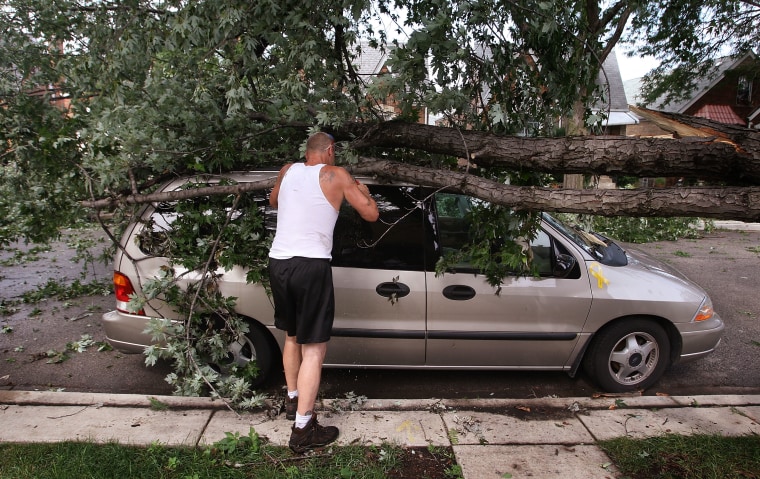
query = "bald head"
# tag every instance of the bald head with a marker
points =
(319, 141)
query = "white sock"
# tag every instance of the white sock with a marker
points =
(293, 394)
(302, 421)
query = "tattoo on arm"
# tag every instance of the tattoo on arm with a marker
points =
(327, 177)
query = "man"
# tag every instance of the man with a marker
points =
(308, 197)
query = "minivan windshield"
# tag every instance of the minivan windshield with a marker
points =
(600, 247)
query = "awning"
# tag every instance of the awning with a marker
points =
(617, 118)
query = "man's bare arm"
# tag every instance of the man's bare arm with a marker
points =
(357, 195)
(276, 190)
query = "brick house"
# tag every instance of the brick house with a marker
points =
(52, 93)
(731, 96)
(371, 65)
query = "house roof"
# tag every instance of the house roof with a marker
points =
(609, 76)
(369, 60)
(703, 85)
(720, 113)
(632, 89)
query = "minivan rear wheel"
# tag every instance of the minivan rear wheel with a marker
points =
(628, 355)
(255, 345)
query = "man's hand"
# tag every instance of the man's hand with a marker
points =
(363, 203)
(362, 187)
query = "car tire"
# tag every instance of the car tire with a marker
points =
(628, 355)
(256, 345)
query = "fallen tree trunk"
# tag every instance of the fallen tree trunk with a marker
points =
(723, 153)
(711, 158)
(734, 203)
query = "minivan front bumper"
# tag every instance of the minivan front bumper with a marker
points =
(700, 343)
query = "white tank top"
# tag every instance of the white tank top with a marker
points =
(305, 219)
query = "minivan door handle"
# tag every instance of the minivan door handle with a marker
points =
(391, 288)
(458, 292)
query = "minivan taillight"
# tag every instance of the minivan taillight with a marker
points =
(122, 287)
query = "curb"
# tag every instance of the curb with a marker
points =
(51, 398)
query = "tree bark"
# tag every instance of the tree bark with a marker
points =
(715, 160)
(242, 188)
(730, 155)
(720, 203)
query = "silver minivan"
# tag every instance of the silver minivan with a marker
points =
(617, 314)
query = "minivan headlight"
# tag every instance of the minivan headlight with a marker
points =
(705, 311)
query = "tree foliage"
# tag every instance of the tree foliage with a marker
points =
(41, 174)
(689, 37)
(160, 89)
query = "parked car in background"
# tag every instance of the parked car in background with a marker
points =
(620, 316)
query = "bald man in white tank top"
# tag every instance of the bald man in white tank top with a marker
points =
(308, 197)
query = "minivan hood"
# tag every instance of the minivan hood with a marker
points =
(640, 259)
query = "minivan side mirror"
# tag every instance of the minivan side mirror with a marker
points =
(563, 265)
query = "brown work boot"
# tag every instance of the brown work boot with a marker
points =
(312, 436)
(291, 406)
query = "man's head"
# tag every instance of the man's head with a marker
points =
(320, 148)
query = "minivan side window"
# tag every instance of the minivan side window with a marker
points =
(454, 227)
(401, 239)
(154, 238)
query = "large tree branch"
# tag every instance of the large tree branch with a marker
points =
(711, 158)
(618, 31)
(724, 203)
(728, 154)
(134, 199)
(722, 153)
(743, 138)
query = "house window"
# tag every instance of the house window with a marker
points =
(744, 91)
(388, 111)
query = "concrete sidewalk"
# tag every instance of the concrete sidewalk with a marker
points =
(736, 225)
(552, 437)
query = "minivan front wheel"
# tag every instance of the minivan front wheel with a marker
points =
(628, 355)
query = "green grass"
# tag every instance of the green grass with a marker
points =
(244, 457)
(232, 458)
(686, 457)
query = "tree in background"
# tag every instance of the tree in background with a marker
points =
(689, 37)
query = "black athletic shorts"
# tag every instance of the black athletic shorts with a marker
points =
(304, 300)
